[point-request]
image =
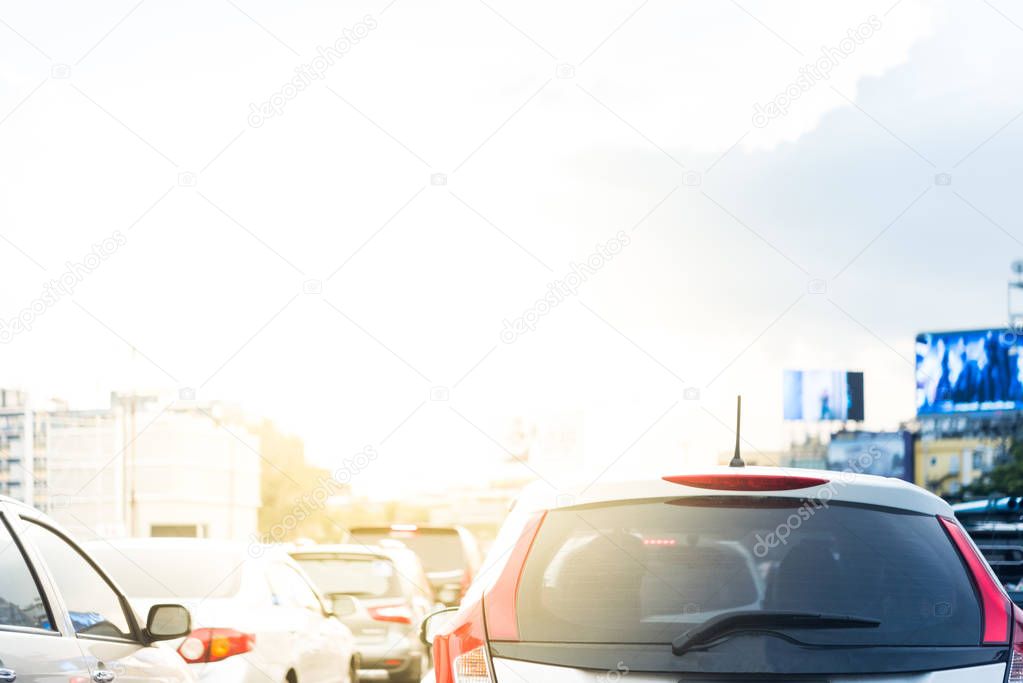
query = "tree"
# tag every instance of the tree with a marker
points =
(1005, 478)
(293, 491)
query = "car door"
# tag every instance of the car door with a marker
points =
(335, 641)
(104, 626)
(315, 644)
(35, 647)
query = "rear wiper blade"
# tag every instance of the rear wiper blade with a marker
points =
(732, 622)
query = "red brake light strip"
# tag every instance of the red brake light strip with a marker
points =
(746, 482)
(994, 601)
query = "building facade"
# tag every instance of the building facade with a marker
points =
(140, 468)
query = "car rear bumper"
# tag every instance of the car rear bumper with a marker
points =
(512, 670)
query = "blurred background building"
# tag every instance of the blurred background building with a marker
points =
(137, 468)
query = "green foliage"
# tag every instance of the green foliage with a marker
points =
(1006, 478)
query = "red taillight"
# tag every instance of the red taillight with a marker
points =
(460, 655)
(499, 602)
(1016, 658)
(399, 614)
(746, 482)
(214, 644)
(994, 602)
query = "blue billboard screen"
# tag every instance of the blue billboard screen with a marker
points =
(968, 372)
(822, 395)
(886, 454)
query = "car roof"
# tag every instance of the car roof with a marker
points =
(340, 549)
(250, 552)
(397, 527)
(847, 487)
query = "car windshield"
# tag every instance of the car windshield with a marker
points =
(439, 549)
(363, 577)
(152, 572)
(645, 572)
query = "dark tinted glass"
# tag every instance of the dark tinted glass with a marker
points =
(20, 601)
(364, 577)
(645, 572)
(440, 551)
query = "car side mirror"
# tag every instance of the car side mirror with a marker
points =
(167, 622)
(435, 623)
(450, 594)
(344, 605)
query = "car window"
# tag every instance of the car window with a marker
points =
(150, 570)
(441, 550)
(648, 571)
(21, 601)
(94, 606)
(290, 589)
(361, 576)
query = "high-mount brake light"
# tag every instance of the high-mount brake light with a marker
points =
(404, 527)
(746, 482)
(994, 601)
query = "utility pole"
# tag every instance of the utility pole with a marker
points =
(1014, 297)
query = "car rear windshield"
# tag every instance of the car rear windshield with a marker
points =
(149, 572)
(439, 549)
(363, 577)
(647, 571)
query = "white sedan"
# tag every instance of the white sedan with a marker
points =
(255, 615)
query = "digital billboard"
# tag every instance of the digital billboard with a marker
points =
(886, 454)
(822, 395)
(968, 372)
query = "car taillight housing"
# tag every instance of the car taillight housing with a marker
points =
(995, 603)
(205, 645)
(398, 614)
(460, 655)
(1016, 656)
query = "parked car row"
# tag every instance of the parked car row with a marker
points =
(215, 611)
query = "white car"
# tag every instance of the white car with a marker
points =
(255, 615)
(732, 574)
(62, 618)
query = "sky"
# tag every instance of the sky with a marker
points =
(797, 185)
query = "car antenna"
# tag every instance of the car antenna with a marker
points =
(737, 458)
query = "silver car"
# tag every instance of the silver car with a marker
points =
(392, 596)
(63, 619)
